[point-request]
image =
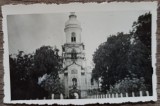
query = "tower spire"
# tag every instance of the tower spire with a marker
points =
(72, 14)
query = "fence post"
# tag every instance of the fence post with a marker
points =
(140, 92)
(104, 96)
(101, 95)
(121, 95)
(109, 95)
(44, 98)
(52, 96)
(133, 95)
(147, 93)
(96, 96)
(126, 94)
(61, 96)
(116, 95)
(113, 95)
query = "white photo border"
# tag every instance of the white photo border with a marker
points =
(78, 7)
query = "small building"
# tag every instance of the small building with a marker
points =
(75, 76)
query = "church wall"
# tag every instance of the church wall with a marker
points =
(83, 82)
(74, 75)
(69, 31)
(66, 86)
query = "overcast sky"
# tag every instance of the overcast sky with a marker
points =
(29, 32)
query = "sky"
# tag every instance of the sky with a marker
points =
(30, 31)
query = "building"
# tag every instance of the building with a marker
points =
(75, 76)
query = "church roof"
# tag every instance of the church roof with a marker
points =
(72, 21)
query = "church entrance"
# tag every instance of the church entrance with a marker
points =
(74, 94)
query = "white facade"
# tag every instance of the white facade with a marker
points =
(75, 76)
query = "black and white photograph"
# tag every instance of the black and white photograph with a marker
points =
(85, 55)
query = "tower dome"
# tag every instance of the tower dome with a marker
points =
(73, 29)
(72, 22)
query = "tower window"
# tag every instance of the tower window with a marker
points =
(73, 54)
(73, 37)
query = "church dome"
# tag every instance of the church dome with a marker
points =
(72, 22)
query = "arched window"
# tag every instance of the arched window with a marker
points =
(74, 80)
(73, 37)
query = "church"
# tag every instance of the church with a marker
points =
(76, 75)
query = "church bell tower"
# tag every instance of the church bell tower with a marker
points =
(73, 58)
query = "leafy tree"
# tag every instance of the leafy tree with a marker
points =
(142, 34)
(110, 60)
(125, 56)
(22, 84)
(47, 60)
(142, 29)
(21, 65)
(52, 85)
(129, 85)
(25, 69)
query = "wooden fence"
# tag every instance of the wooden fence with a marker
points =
(53, 96)
(119, 95)
(109, 95)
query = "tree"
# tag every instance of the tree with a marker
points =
(142, 34)
(52, 85)
(25, 69)
(129, 85)
(142, 29)
(110, 60)
(47, 60)
(22, 84)
(125, 56)
(21, 65)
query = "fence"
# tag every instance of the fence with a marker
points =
(53, 97)
(109, 95)
(119, 95)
